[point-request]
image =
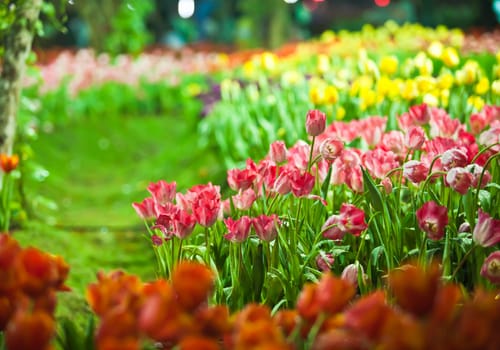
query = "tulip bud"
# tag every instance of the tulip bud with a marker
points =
(315, 122)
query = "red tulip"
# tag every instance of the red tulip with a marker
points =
(432, 219)
(162, 192)
(266, 226)
(278, 152)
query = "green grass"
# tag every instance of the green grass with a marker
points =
(97, 168)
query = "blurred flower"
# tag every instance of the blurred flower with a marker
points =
(193, 283)
(432, 219)
(8, 163)
(491, 267)
(415, 288)
(450, 57)
(482, 86)
(389, 65)
(487, 230)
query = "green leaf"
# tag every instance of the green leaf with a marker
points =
(375, 196)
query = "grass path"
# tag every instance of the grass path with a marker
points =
(97, 169)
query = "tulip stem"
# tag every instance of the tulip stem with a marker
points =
(309, 164)
(462, 262)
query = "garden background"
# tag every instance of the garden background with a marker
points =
(118, 95)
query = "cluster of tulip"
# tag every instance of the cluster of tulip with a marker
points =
(29, 280)
(416, 311)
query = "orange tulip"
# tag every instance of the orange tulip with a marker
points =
(8, 163)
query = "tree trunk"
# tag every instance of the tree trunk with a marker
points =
(17, 47)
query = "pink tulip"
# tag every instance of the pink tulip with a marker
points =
(487, 230)
(351, 273)
(491, 267)
(459, 179)
(379, 162)
(331, 148)
(387, 185)
(349, 220)
(145, 209)
(432, 219)
(419, 114)
(278, 152)
(325, 261)
(238, 230)
(206, 204)
(240, 179)
(415, 171)
(162, 192)
(302, 183)
(244, 199)
(265, 226)
(414, 138)
(476, 170)
(455, 157)
(393, 141)
(315, 122)
(283, 184)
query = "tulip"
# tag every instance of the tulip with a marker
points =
(331, 148)
(487, 230)
(325, 261)
(238, 230)
(278, 152)
(454, 157)
(315, 122)
(266, 226)
(491, 267)
(432, 219)
(146, 209)
(414, 138)
(459, 179)
(8, 163)
(162, 192)
(415, 171)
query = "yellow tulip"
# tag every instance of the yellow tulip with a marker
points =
(476, 102)
(495, 87)
(268, 61)
(323, 64)
(340, 113)
(430, 100)
(450, 57)
(331, 94)
(425, 83)
(435, 49)
(389, 65)
(483, 86)
(445, 80)
(410, 90)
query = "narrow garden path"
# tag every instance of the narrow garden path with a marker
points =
(96, 169)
